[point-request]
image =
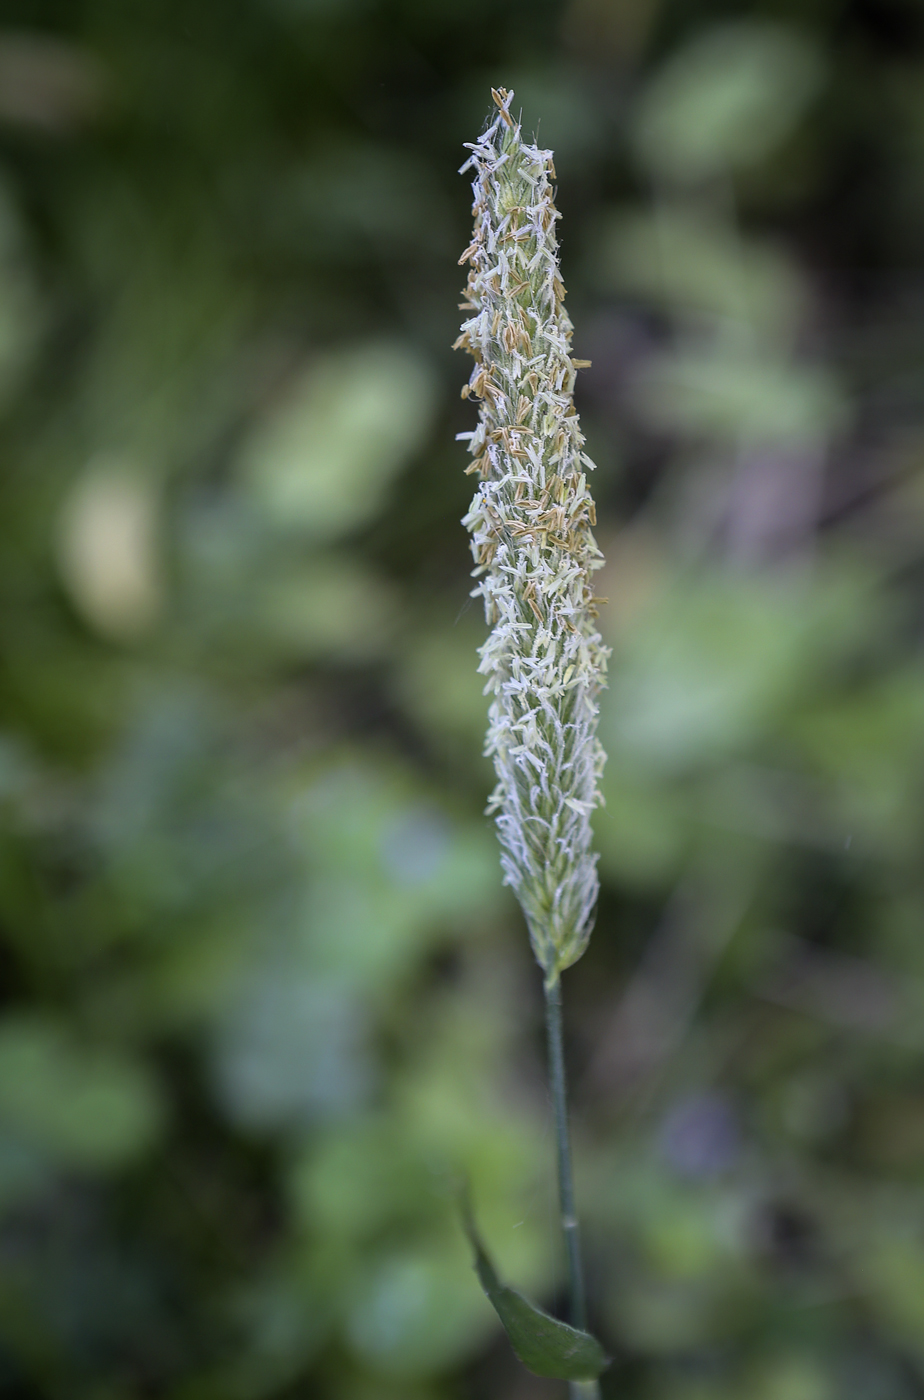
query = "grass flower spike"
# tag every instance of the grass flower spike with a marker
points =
(534, 552)
(544, 659)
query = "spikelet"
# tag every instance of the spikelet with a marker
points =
(534, 552)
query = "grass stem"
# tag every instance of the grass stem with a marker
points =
(578, 1390)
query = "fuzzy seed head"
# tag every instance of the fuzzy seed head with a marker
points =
(530, 522)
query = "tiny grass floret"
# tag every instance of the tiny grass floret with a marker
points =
(531, 524)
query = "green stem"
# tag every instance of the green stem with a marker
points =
(577, 1390)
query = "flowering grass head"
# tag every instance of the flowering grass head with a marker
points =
(534, 550)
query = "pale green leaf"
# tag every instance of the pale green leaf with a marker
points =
(698, 268)
(83, 1106)
(333, 605)
(750, 400)
(726, 100)
(322, 460)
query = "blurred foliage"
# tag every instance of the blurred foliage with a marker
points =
(265, 1004)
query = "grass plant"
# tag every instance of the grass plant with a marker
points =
(535, 555)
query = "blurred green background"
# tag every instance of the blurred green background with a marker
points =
(263, 996)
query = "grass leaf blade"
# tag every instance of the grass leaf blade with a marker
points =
(545, 1346)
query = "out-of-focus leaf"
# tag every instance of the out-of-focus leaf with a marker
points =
(108, 550)
(546, 1346)
(361, 1176)
(376, 1195)
(793, 1377)
(890, 1269)
(669, 1316)
(701, 270)
(726, 100)
(332, 606)
(395, 873)
(448, 1121)
(440, 687)
(197, 976)
(415, 1311)
(323, 459)
(869, 747)
(641, 831)
(746, 400)
(289, 1049)
(354, 197)
(84, 1106)
(684, 1238)
(707, 666)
